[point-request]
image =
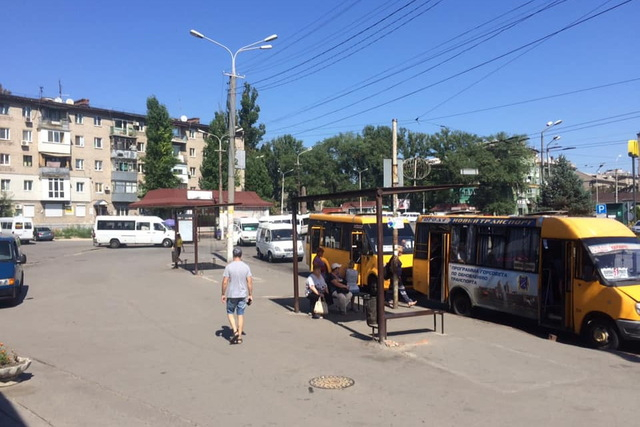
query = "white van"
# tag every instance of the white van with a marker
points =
(245, 231)
(18, 226)
(275, 241)
(302, 220)
(116, 231)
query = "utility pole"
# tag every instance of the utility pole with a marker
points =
(394, 183)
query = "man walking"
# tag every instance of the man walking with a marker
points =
(237, 293)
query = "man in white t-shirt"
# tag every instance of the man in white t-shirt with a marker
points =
(237, 292)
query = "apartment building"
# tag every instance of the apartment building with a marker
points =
(62, 161)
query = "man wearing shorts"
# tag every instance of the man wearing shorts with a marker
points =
(237, 292)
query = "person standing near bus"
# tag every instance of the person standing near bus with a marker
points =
(237, 293)
(321, 261)
(396, 267)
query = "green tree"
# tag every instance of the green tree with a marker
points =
(257, 177)
(6, 206)
(563, 190)
(159, 160)
(248, 116)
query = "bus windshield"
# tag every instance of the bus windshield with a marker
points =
(405, 238)
(617, 259)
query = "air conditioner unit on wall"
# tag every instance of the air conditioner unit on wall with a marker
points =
(18, 206)
(25, 143)
(107, 188)
(27, 119)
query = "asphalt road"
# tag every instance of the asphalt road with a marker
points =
(118, 338)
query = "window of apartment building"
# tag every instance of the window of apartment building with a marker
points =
(192, 134)
(4, 109)
(192, 188)
(28, 185)
(140, 167)
(97, 121)
(79, 141)
(99, 187)
(54, 136)
(124, 166)
(79, 118)
(26, 112)
(120, 124)
(27, 161)
(80, 187)
(56, 188)
(5, 134)
(192, 172)
(192, 152)
(97, 142)
(5, 184)
(81, 210)
(141, 147)
(98, 165)
(80, 164)
(27, 135)
(53, 115)
(5, 159)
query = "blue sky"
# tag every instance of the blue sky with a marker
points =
(339, 65)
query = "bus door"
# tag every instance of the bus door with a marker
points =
(356, 253)
(555, 283)
(314, 237)
(438, 242)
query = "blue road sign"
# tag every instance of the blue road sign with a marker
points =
(601, 209)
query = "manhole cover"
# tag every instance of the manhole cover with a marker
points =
(332, 382)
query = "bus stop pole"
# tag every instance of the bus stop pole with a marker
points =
(382, 324)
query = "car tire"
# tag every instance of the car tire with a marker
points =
(167, 243)
(259, 254)
(240, 242)
(270, 257)
(114, 244)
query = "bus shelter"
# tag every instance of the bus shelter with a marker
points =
(178, 199)
(377, 194)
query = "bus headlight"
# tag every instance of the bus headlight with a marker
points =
(638, 308)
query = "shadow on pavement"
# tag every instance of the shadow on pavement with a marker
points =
(9, 417)
(23, 296)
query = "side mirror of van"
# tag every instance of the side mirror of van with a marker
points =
(22, 259)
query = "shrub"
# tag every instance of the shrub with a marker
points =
(7, 357)
(70, 232)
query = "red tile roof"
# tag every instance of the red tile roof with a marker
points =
(177, 197)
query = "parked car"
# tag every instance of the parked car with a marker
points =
(42, 233)
(11, 274)
(636, 227)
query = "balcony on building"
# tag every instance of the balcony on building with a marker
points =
(54, 118)
(179, 136)
(54, 167)
(128, 131)
(123, 192)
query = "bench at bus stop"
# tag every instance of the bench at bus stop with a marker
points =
(372, 321)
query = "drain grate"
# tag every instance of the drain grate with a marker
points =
(331, 382)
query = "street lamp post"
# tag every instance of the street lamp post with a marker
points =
(360, 184)
(597, 172)
(282, 191)
(232, 125)
(298, 169)
(548, 126)
(554, 140)
(219, 150)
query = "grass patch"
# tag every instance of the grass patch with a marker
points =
(73, 232)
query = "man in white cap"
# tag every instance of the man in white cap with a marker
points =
(338, 288)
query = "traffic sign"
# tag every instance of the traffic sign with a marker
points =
(601, 209)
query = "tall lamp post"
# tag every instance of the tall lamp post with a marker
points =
(554, 140)
(232, 125)
(548, 126)
(220, 151)
(298, 169)
(282, 191)
(360, 184)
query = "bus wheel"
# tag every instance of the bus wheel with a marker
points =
(602, 334)
(167, 243)
(114, 243)
(461, 304)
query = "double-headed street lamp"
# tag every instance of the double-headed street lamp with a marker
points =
(298, 172)
(219, 150)
(554, 140)
(232, 125)
(548, 126)
(360, 183)
(282, 191)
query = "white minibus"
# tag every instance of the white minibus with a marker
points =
(275, 241)
(244, 230)
(116, 231)
(19, 226)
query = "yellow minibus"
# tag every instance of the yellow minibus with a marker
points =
(354, 237)
(574, 274)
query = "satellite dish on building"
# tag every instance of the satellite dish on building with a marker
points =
(69, 101)
(57, 99)
(183, 118)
